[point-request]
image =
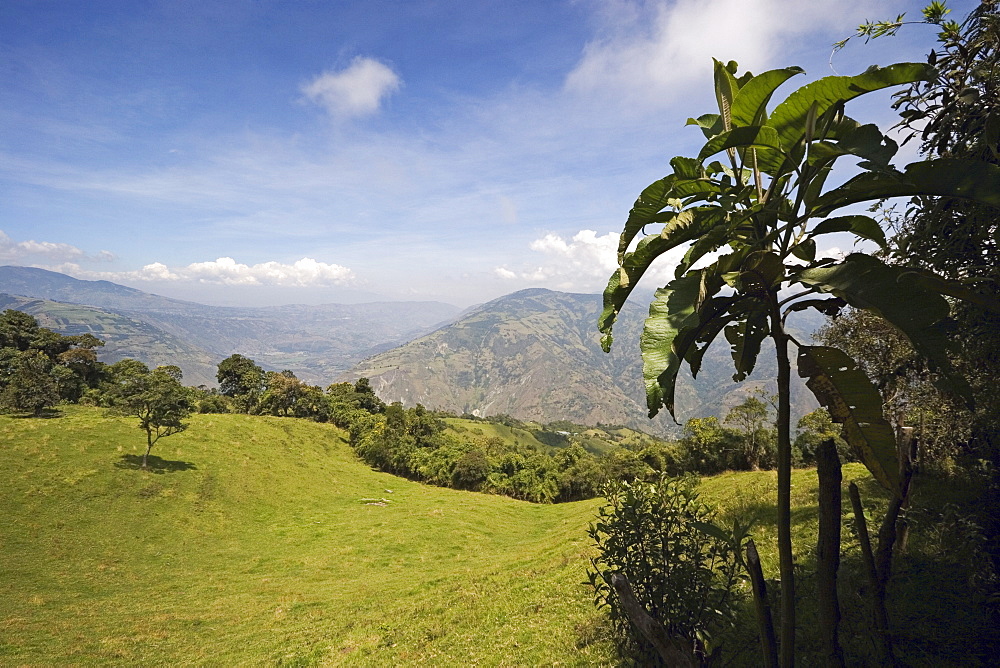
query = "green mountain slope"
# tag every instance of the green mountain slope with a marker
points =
(316, 342)
(123, 336)
(259, 541)
(264, 541)
(536, 355)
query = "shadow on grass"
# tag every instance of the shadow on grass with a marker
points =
(154, 464)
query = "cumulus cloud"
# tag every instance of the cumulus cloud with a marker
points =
(649, 51)
(357, 90)
(306, 272)
(581, 263)
(26, 251)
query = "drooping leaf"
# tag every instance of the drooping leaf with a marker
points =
(847, 393)
(751, 100)
(953, 288)
(754, 135)
(715, 314)
(682, 315)
(681, 228)
(830, 306)
(868, 142)
(672, 312)
(898, 297)
(653, 199)
(805, 250)
(789, 117)
(862, 226)
(710, 124)
(946, 177)
(745, 338)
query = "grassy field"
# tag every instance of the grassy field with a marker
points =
(254, 543)
(264, 541)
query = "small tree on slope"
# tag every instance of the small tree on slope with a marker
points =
(157, 398)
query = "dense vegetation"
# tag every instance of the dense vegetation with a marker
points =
(750, 209)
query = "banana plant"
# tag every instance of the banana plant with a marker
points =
(750, 208)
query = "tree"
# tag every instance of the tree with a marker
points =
(30, 386)
(707, 445)
(751, 420)
(17, 329)
(761, 208)
(814, 428)
(282, 392)
(240, 378)
(156, 398)
(956, 114)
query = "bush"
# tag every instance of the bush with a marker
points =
(683, 570)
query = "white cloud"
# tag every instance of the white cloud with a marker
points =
(357, 90)
(25, 251)
(650, 52)
(306, 272)
(582, 263)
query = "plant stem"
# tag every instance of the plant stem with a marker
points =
(828, 550)
(785, 558)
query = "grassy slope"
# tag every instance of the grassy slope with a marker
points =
(252, 545)
(257, 549)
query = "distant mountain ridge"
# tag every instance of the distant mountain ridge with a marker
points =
(535, 354)
(124, 336)
(316, 342)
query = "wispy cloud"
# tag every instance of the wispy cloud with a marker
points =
(357, 90)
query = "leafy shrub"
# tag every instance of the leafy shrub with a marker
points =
(683, 570)
(470, 470)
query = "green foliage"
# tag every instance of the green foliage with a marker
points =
(29, 383)
(240, 378)
(39, 367)
(683, 570)
(708, 447)
(155, 397)
(752, 419)
(814, 428)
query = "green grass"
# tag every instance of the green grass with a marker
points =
(479, 431)
(252, 543)
(255, 546)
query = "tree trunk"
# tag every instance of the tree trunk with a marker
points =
(674, 651)
(883, 644)
(828, 550)
(785, 556)
(149, 446)
(765, 625)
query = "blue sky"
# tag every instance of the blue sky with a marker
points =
(307, 151)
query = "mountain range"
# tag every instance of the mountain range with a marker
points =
(315, 342)
(534, 354)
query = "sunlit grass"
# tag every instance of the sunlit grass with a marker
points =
(265, 541)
